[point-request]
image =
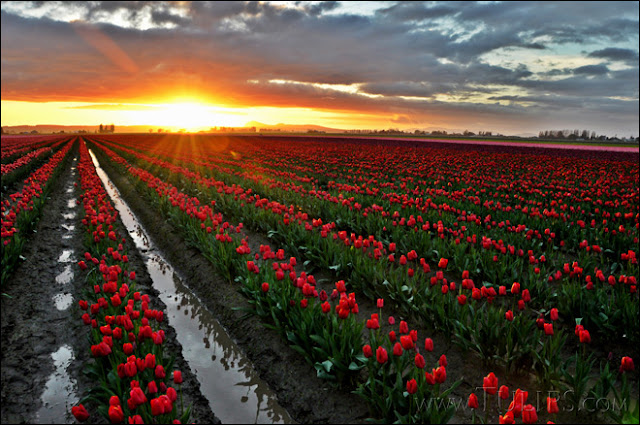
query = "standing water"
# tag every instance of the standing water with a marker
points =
(60, 389)
(227, 379)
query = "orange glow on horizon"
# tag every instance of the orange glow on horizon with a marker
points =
(189, 114)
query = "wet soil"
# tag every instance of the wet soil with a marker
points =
(44, 342)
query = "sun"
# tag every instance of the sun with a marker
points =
(191, 116)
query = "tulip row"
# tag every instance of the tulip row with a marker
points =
(21, 210)
(516, 267)
(14, 146)
(24, 160)
(17, 170)
(327, 335)
(383, 182)
(403, 287)
(311, 326)
(131, 370)
(376, 272)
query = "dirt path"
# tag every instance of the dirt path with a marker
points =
(40, 353)
(44, 342)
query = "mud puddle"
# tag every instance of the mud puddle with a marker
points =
(60, 389)
(227, 379)
(59, 393)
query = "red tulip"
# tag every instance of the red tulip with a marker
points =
(367, 351)
(80, 413)
(443, 361)
(159, 372)
(440, 374)
(490, 384)
(473, 401)
(503, 392)
(157, 407)
(419, 361)
(428, 344)
(116, 415)
(507, 419)
(177, 377)
(585, 337)
(529, 414)
(397, 349)
(552, 405)
(626, 365)
(407, 342)
(412, 386)
(137, 395)
(381, 355)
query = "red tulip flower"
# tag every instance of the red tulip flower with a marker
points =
(529, 414)
(116, 415)
(626, 365)
(503, 392)
(428, 344)
(367, 351)
(507, 419)
(80, 413)
(473, 401)
(412, 386)
(381, 355)
(490, 384)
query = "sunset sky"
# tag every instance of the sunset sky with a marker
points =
(513, 67)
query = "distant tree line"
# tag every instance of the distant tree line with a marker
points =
(570, 134)
(107, 128)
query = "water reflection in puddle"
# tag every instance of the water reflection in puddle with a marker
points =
(227, 379)
(63, 301)
(66, 276)
(69, 227)
(59, 393)
(65, 256)
(69, 216)
(71, 203)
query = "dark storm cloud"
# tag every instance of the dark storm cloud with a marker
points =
(616, 54)
(231, 50)
(592, 70)
(417, 11)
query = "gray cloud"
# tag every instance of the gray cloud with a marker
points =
(599, 69)
(616, 54)
(407, 49)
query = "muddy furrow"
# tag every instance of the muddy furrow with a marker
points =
(41, 354)
(45, 345)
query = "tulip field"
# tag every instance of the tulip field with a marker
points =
(404, 281)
